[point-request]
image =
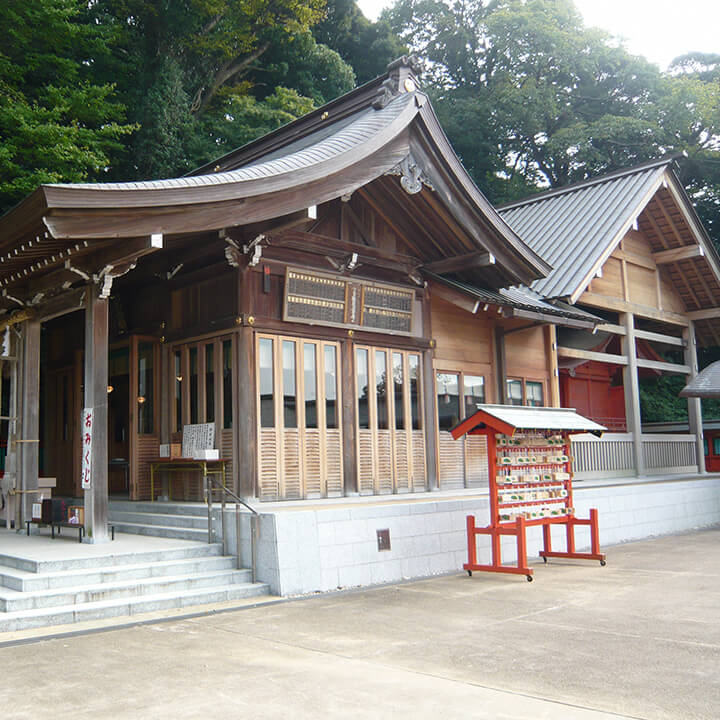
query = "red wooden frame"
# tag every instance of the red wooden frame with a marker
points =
(517, 527)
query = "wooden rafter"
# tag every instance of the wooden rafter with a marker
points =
(661, 238)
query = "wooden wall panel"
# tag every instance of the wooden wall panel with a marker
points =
(334, 463)
(642, 284)
(451, 461)
(268, 476)
(460, 336)
(476, 458)
(312, 464)
(384, 473)
(366, 455)
(292, 473)
(525, 354)
(148, 448)
(419, 470)
(402, 465)
(611, 282)
(669, 296)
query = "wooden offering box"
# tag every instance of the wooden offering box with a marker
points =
(530, 471)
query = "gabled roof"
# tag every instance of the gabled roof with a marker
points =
(384, 132)
(575, 227)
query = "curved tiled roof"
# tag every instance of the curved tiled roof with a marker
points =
(320, 146)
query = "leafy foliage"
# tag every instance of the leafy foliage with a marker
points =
(57, 123)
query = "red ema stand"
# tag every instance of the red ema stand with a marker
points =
(530, 482)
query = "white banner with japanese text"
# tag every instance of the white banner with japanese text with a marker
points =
(87, 432)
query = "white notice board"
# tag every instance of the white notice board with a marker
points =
(197, 437)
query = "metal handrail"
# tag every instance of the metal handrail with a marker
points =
(254, 527)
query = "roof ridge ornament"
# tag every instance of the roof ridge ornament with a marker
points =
(412, 176)
(401, 78)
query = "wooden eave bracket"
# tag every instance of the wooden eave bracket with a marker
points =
(468, 261)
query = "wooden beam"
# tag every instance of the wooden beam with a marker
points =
(467, 261)
(96, 397)
(588, 355)
(321, 245)
(611, 328)
(634, 259)
(659, 337)
(119, 253)
(631, 388)
(663, 366)
(610, 303)
(688, 252)
(459, 299)
(708, 314)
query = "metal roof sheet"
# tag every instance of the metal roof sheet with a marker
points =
(520, 297)
(706, 384)
(521, 417)
(573, 228)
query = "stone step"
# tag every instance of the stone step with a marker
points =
(118, 518)
(196, 550)
(166, 531)
(163, 508)
(119, 607)
(24, 581)
(14, 601)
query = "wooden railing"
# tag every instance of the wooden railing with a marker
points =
(612, 455)
(669, 453)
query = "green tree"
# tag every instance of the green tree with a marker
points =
(179, 64)
(57, 122)
(366, 46)
(558, 101)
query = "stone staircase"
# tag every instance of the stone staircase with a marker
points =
(147, 576)
(183, 521)
(36, 593)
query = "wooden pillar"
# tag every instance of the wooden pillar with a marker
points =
(245, 410)
(552, 364)
(500, 365)
(694, 404)
(348, 391)
(96, 397)
(431, 421)
(245, 413)
(632, 392)
(30, 427)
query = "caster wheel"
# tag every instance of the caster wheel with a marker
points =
(545, 560)
(529, 578)
(470, 573)
(603, 563)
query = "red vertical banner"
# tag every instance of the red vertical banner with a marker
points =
(86, 433)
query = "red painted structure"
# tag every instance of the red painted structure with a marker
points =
(503, 521)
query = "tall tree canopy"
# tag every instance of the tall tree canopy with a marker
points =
(57, 121)
(197, 74)
(532, 98)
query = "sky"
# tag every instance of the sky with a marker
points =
(660, 30)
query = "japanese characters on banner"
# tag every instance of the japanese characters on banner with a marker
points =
(87, 432)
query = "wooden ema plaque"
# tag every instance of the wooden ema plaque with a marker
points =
(530, 483)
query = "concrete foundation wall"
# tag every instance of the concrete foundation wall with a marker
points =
(335, 545)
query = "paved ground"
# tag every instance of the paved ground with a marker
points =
(639, 638)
